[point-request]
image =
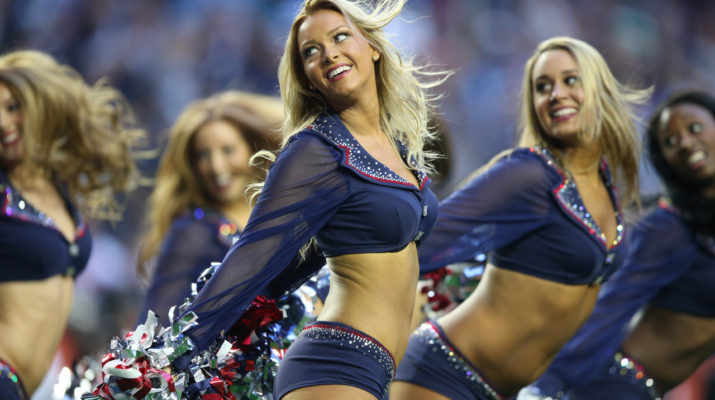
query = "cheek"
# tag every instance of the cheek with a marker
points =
(240, 161)
(203, 168)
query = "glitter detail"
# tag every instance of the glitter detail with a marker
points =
(626, 367)
(227, 231)
(354, 339)
(358, 159)
(572, 203)
(430, 334)
(8, 372)
(13, 205)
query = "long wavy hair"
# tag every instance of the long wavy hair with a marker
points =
(177, 185)
(608, 106)
(403, 87)
(80, 136)
(696, 210)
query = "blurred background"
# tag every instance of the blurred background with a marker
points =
(162, 54)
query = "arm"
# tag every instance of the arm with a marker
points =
(656, 259)
(498, 206)
(304, 189)
(189, 248)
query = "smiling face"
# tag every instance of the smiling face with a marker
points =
(12, 149)
(337, 59)
(686, 136)
(222, 155)
(558, 95)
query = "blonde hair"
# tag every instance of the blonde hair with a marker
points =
(177, 185)
(79, 135)
(405, 103)
(607, 105)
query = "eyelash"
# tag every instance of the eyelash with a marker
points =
(308, 51)
(540, 87)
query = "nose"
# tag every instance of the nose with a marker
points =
(687, 141)
(558, 92)
(329, 55)
(217, 163)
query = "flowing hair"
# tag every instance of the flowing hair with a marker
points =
(177, 184)
(402, 86)
(608, 109)
(81, 136)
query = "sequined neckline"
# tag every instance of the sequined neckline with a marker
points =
(15, 206)
(358, 159)
(570, 199)
(228, 232)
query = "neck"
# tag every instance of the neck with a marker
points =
(582, 160)
(27, 175)
(362, 121)
(709, 192)
(237, 212)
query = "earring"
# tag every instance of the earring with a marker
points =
(376, 57)
(311, 87)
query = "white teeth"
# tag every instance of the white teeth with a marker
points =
(563, 112)
(332, 74)
(695, 157)
(223, 179)
(10, 138)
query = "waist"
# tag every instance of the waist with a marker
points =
(374, 293)
(34, 316)
(512, 338)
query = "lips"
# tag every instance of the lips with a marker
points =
(222, 181)
(338, 72)
(10, 138)
(563, 114)
(696, 159)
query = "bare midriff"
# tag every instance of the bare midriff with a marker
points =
(670, 345)
(374, 293)
(33, 316)
(514, 324)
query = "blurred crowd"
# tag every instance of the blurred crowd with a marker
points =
(162, 54)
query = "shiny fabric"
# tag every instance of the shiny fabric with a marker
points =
(331, 353)
(323, 185)
(622, 379)
(669, 266)
(10, 384)
(31, 247)
(195, 239)
(433, 362)
(530, 216)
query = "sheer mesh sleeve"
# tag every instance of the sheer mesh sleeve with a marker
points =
(657, 258)
(498, 206)
(303, 191)
(188, 249)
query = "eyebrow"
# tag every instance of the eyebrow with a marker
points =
(330, 32)
(567, 72)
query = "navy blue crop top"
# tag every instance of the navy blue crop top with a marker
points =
(668, 266)
(323, 184)
(531, 217)
(689, 289)
(195, 239)
(31, 247)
